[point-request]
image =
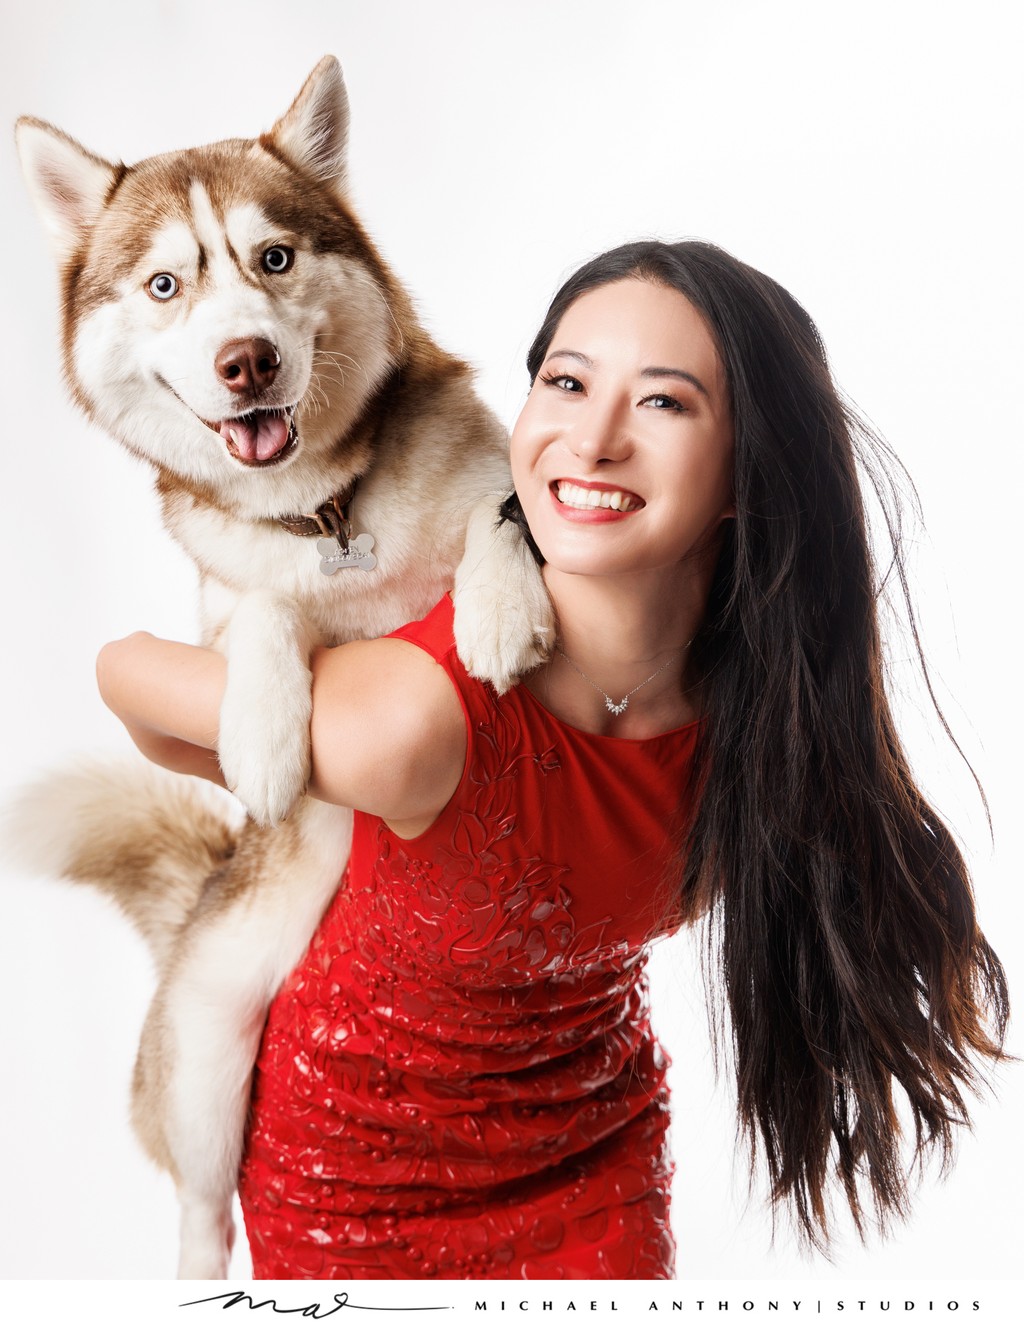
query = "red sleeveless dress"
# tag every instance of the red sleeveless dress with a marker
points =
(459, 1080)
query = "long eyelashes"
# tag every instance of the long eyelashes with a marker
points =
(670, 403)
(562, 381)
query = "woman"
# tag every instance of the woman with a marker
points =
(460, 1080)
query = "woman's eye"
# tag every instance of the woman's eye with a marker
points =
(663, 402)
(163, 286)
(279, 258)
(565, 382)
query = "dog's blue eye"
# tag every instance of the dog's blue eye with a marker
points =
(163, 286)
(278, 259)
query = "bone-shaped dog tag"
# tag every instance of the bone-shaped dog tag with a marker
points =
(358, 554)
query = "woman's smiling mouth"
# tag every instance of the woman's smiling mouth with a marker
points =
(579, 501)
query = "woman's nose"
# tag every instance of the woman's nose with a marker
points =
(600, 433)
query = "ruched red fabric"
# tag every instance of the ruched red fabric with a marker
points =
(459, 1080)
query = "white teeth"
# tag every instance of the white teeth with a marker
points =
(575, 496)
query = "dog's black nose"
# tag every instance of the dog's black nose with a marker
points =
(249, 365)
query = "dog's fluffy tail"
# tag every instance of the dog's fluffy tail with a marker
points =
(148, 838)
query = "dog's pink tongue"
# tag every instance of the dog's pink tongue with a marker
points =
(257, 439)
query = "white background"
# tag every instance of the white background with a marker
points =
(865, 154)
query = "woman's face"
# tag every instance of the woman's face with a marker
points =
(622, 455)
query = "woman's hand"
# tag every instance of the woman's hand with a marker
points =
(387, 734)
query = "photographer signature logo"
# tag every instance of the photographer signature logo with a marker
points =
(313, 1310)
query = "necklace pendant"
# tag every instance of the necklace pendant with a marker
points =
(616, 708)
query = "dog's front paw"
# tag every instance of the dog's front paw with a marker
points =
(504, 620)
(264, 752)
(499, 640)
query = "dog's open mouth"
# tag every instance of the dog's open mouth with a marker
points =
(259, 438)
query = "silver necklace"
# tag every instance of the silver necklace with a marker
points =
(617, 708)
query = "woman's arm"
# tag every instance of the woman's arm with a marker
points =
(167, 695)
(387, 732)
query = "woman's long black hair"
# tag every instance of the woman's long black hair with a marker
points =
(858, 984)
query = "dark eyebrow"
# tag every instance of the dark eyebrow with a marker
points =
(661, 372)
(655, 372)
(574, 355)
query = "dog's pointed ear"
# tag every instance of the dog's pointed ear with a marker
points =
(313, 132)
(69, 185)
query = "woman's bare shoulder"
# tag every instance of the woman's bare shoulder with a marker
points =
(388, 732)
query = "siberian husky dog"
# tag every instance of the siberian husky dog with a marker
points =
(227, 318)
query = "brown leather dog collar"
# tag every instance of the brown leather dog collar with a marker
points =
(330, 519)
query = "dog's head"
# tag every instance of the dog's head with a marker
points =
(224, 312)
